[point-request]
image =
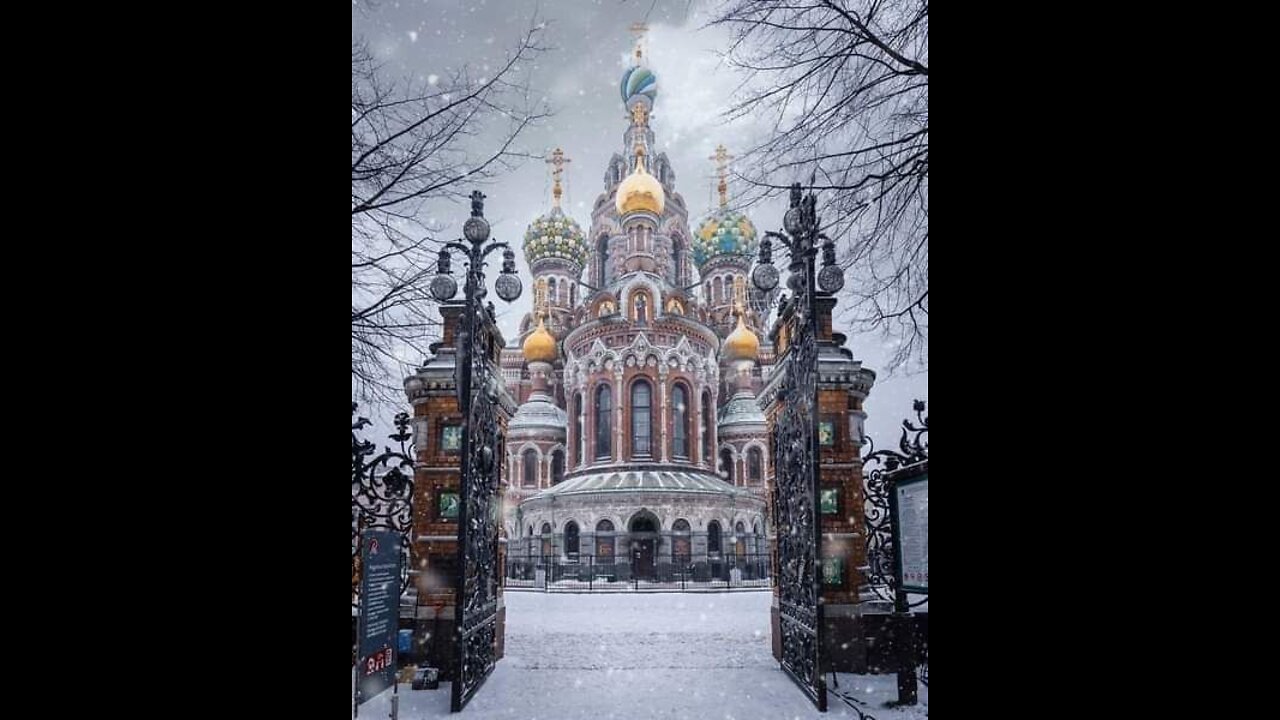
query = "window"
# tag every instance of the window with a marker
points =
(681, 549)
(755, 470)
(641, 414)
(726, 465)
(677, 259)
(602, 260)
(547, 547)
(642, 307)
(718, 290)
(739, 540)
(573, 293)
(578, 429)
(680, 422)
(571, 539)
(604, 421)
(530, 459)
(551, 291)
(604, 542)
(450, 438)
(713, 537)
(557, 467)
(708, 429)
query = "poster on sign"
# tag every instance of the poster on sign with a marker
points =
(911, 495)
(379, 612)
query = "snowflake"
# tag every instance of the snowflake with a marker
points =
(413, 36)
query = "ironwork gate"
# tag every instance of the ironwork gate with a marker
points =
(476, 615)
(381, 494)
(795, 455)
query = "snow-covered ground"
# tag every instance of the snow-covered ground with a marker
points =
(669, 656)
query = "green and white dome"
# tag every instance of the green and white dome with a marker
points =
(555, 235)
(725, 232)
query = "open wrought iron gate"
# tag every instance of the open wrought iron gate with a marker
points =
(477, 563)
(795, 455)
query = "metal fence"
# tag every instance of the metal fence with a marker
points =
(588, 573)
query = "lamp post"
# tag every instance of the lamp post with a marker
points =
(475, 615)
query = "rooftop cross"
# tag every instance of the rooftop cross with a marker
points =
(557, 162)
(639, 29)
(722, 158)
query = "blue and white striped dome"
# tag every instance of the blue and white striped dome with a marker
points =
(639, 81)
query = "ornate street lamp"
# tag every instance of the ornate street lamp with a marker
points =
(477, 559)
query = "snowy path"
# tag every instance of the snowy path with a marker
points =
(662, 656)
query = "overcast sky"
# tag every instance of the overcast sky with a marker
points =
(579, 78)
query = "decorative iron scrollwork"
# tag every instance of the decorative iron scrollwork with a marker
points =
(913, 447)
(795, 447)
(381, 494)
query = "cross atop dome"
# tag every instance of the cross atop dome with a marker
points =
(639, 29)
(722, 158)
(557, 162)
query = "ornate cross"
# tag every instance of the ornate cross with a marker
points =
(722, 158)
(639, 29)
(557, 162)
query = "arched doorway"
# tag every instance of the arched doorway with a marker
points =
(643, 531)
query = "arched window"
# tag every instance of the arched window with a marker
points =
(755, 470)
(530, 459)
(706, 293)
(708, 428)
(726, 465)
(642, 307)
(681, 548)
(602, 260)
(530, 531)
(573, 294)
(713, 537)
(740, 540)
(604, 542)
(680, 422)
(547, 547)
(557, 467)
(641, 414)
(571, 539)
(717, 294)
(578, 428)
(604, 421)
(551, 291)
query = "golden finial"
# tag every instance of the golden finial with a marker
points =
(722, 158)
(639, 114)
(639, 29)
(557, 162)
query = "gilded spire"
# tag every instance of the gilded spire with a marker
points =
(722, 158)
(557, 162)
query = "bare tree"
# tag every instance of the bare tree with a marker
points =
(413, 144)
(845, 85)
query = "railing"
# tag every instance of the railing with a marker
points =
(588, 573)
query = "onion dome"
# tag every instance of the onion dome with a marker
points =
(724, 232)
(742, 344)
(637, 81)
(555, 235)
(540, 346)
(640, 190)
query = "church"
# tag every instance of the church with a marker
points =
(637, 404)
(638, 429)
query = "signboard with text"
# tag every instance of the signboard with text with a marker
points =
(379, 612)
(911, 508)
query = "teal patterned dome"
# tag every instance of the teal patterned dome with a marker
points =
(639, 81)
(725, 232)
(555, 235)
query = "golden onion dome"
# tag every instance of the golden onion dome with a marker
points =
(640, 190)
(742, 344)
(540, 346)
